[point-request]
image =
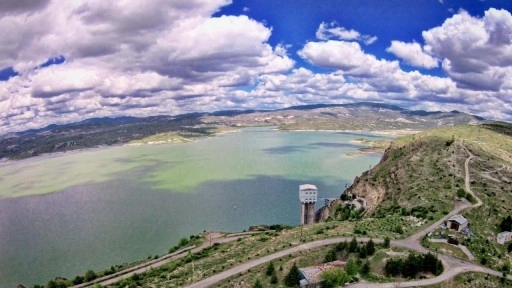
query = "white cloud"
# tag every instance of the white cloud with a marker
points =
(126, 58)
(476, 52)
(345, 56)
(168, 57)
(412, 54)
(327, 31)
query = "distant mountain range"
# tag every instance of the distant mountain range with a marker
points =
(119, 130)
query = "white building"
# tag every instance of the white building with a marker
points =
(308, 195)
(504, 237)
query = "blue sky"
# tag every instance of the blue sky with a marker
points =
(64, 61)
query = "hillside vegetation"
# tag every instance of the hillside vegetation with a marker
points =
(420, 177)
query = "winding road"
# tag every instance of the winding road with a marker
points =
(452, 266)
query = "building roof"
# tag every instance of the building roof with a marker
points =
(504, 234)
(459, 219)
(307, 187)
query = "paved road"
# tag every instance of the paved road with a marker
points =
(251, 264)
(452, 266)
(141, 268)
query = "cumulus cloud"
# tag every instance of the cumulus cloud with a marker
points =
(327, 31)
(21, 6)
(412, 54)
(132, 57)
(345, 56)
(476, 52)
(144, 58)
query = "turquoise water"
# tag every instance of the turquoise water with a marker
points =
(63, 215)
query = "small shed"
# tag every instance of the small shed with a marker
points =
(457, 222)
(504, 237)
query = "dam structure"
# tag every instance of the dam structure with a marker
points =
(308, 195)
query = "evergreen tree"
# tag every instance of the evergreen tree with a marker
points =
(341, 246)
(506, 224)
(257, 284)
(366, 268)
(270, 269)
(394, 267)
(274, 279)
(352, 247)
(370, 248)
(386, 242)
(330, 256)
(362, 252)
(293, 277)
(351, 267)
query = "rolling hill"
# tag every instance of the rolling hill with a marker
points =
(121, 130)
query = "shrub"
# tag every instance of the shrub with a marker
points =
(334, 277)
(89, 276)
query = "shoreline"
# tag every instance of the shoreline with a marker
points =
(393, 133)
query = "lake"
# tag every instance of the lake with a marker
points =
(64, 214)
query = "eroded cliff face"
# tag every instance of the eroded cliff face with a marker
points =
(363, 186)
(373, 194)
(420, 171)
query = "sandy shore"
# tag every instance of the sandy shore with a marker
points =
(394, 133)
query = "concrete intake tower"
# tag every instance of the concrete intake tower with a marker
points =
(307, 194)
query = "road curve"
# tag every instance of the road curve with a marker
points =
(452, 266)
(251, 264)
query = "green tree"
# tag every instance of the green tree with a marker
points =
(273, 278)
(509, 247)
(351, 267)
(183, 242)
(293, 277)
(78, 280)
(394, 267)
(386, 242)
(55, 284)
(506, 224)
(370, 247)
(341, 246)
(90, 275)
(270, 269)
(362, 252)
(352, 247)
(411, 266)
(483, 261)
(366, 268)
(257, 284)
(461, 193)
(330, 256)
(334, 277)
